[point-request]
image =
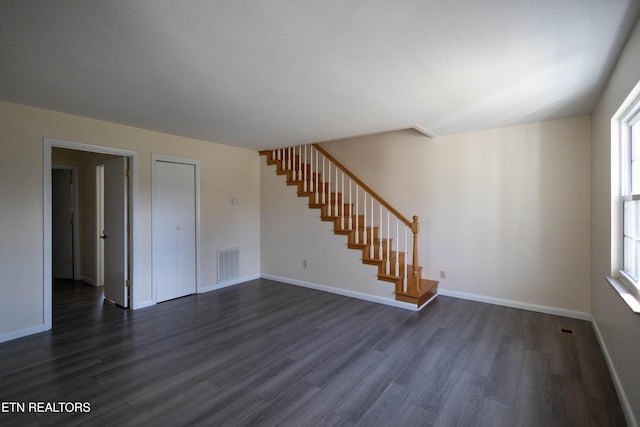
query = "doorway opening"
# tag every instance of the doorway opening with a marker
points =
(65, 222)
(114, 173)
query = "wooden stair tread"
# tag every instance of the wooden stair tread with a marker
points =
(389, 278)
(418, 295)
(366, 258)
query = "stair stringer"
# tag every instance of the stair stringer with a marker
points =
(291, 233)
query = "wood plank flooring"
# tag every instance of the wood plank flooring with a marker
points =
(265, 353)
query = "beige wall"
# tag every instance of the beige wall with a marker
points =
(504, 212)
(225, 172)
(618, 326)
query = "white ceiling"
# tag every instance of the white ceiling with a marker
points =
(270, 73)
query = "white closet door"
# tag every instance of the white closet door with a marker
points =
(174, 229)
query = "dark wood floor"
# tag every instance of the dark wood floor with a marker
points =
(265, 353)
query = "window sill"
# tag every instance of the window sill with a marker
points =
(631, 300)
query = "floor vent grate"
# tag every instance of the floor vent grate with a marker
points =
(566, 330)
(228, 264)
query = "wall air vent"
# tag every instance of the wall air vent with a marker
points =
(228, 264)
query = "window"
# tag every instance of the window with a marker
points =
(629, 133)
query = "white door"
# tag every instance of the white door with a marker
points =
(62, 223)
(100, 225)
(174, 229)
(115, 231)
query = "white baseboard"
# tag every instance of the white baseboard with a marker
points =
(8, 336)
(88, 280)
(142, 304)
(204, 289)
(622, 397)
(210, 288)
(345, 292)
(518, 304)
(427, 302)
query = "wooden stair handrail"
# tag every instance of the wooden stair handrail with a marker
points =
(368, 189)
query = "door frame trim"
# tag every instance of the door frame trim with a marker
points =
(76, 220)
(136, 250)
(182, 160)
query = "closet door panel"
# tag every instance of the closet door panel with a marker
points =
(186, 229)
(174, 230)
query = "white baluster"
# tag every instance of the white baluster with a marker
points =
(299, 162)
(311, 170)
(373, 234)
(329, 204)
(388, 245)
(397, 248)
(324, 187)
(357, 217)
(350, 208)
(337, 211)
(406, 278)
(293, 163)
(342, 227)
(304, 174)
(317, 183)
(380, 235)
(294, 173)
(364, 212)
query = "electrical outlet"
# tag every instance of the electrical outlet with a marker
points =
(304, 263)
(443, 274)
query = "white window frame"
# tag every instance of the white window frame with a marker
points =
(627, 116)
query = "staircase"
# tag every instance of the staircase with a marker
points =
(371, 225)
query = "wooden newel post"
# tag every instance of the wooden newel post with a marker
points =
(415, 228)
